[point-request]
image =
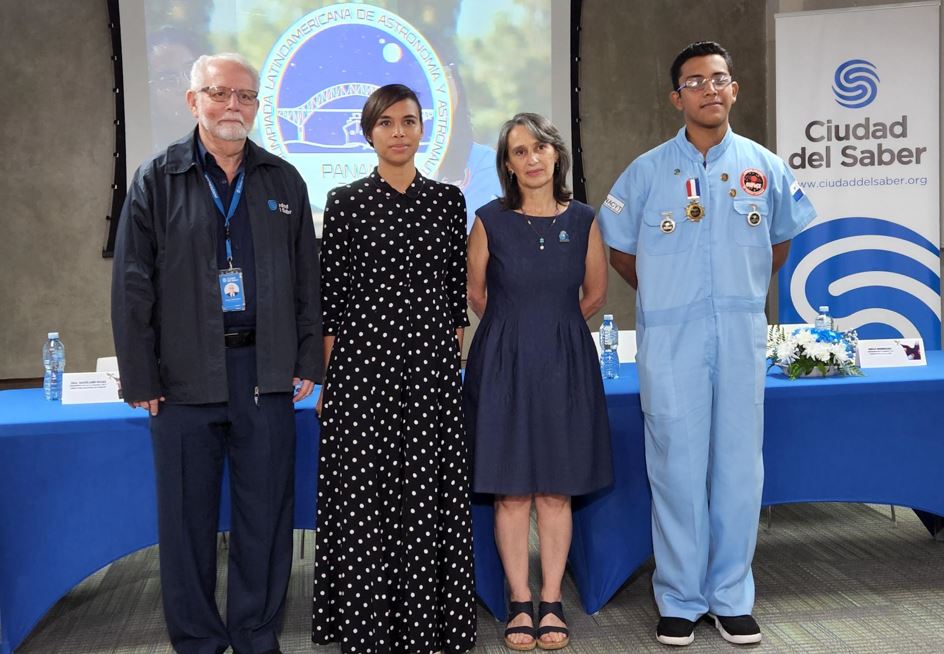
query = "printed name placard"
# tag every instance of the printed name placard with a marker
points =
(890, 353)
(91, 387)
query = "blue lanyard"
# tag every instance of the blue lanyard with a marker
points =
(227, 215)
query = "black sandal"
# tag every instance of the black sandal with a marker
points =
(557, 610)
(514, 610)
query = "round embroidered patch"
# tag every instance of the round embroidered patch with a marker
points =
(753, 181)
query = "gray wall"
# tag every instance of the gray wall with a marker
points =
(626, 50)
(55, 181)
(58, 137)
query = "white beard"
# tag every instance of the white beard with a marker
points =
(227, 131)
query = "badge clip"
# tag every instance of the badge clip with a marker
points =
(753, 218)
(667, 225)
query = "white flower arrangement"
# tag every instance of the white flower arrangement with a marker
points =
(808, 351)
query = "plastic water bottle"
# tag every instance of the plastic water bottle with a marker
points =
(54, 361)
(823, 319)
(609, 340)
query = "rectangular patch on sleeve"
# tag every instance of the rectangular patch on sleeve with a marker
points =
(614, 204)
(796, 191)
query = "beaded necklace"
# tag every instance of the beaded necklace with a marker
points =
(549, 227)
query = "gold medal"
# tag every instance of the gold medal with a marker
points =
(694, 211)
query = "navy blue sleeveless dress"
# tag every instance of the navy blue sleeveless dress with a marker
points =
(534, 401)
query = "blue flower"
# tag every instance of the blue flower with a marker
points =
(826, 335)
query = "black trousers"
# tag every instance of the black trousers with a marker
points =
(190, 444)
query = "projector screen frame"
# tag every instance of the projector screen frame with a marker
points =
(119, 186)
(579, 182)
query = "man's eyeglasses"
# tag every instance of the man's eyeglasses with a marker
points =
(223, 94)
(718, 81)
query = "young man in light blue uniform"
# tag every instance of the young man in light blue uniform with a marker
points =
(698, 225)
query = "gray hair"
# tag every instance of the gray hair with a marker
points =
(199, 70)
(544, 131)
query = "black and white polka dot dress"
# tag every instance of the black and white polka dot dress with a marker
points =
(393, 546)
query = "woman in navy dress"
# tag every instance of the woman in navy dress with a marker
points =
(534, 400)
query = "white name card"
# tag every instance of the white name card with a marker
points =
(91, 387)
(890, 353)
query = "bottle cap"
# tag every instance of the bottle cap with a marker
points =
(52, 335)
(824, 309)
(608, 316)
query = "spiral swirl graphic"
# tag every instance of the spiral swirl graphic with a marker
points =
(855, 83)
(878, 277)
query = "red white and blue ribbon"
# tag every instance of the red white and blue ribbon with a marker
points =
(693, 188)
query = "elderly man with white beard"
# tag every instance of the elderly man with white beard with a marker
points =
(217, 324)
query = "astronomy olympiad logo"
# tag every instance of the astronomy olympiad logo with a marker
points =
(317, 77)
(855, 83)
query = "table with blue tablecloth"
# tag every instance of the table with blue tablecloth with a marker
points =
(876, 438)
(77, 492)
(77, 482)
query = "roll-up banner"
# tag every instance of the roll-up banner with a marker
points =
(858, 120)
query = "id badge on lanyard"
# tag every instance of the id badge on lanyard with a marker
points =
(232, 289)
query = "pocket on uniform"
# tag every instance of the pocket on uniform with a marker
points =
(751, 224)
(666, 231)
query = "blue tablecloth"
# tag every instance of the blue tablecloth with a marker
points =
(77, 492)
(877, 438)
(77, 482)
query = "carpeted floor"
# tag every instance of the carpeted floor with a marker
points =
(830, 578)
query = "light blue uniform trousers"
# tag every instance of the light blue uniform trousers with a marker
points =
(702, 387)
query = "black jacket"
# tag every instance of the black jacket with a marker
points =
(166, 315)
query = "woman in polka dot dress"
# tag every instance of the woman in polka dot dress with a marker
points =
(393, 547)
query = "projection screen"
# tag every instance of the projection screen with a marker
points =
(473, 63)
